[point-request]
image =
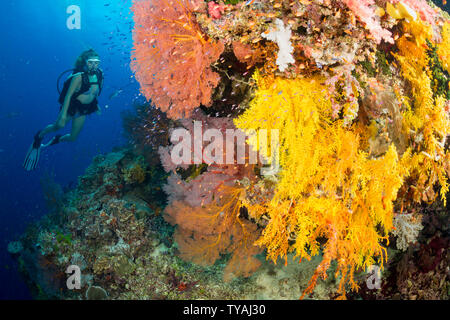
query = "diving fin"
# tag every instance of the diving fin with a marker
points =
(33, 154)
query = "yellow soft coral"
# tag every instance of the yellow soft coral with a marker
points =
(426, 118)
(444, 47)
(327, 187)
(401, 11)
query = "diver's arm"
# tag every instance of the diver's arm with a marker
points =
(74, 84)
(99, 111)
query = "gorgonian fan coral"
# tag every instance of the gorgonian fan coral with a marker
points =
(172, 57)
(205, 233)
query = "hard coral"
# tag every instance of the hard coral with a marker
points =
(96, 293)
(172, 57)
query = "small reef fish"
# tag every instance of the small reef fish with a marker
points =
(248, 2)
(11, 115)
(115, 94)
(118, 91)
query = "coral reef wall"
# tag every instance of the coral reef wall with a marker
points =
(358, 94)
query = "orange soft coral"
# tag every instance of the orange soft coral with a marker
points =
(172, 57)
(204, 233)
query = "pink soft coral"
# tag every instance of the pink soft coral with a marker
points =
(364, 10)
(200, 190)
(215, 10)
(172, 57)
(199, 146)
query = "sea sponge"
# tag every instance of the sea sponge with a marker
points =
(401, 11)
(406, 229)
(282, 36)
(96, 293)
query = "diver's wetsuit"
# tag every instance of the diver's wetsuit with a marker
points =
(76, 108)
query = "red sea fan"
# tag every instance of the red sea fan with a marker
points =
(172, 57)
(246, 54)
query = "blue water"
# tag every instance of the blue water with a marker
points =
(36, 47)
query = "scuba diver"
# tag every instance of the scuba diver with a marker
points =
(78, 98)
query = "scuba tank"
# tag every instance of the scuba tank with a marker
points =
(62, 93)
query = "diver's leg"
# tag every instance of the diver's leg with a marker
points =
(77, 125)
(33, 154)
(52, 127)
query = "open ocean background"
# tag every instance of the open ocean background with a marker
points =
(36, 46)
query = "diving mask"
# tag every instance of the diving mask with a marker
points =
(93, 62)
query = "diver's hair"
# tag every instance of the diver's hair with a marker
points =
(80, 63)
